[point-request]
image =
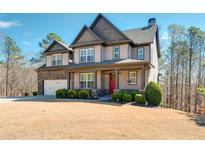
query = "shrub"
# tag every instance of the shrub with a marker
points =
(153, 93)
(126, 97)
(35, 93)
(61, 93)
(83, 94)
(139, 98)
(133, 95)
(117, 96)
(72, 93)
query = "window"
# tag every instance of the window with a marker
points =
(140, 53)
(133, 77)
(86, 80)
(116, 52)
(86, 55)
(56, 59)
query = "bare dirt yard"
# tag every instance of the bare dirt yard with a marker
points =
(79, 120)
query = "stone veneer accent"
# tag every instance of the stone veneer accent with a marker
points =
(50, 75)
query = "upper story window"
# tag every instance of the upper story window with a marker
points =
(140, 53)
(116, 52)
(56, 59)
(86, 55)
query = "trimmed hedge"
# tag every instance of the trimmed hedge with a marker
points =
(117, 96)
(133, 95)
(72, 93)
(153, 93)
(139, 98)
(61, 93)
(35, 93)
(83, 94)
(126, 97)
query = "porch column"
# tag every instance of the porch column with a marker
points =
(95, 80)
(102, 80)
(117, 79)
(143, 77)
(68, 81)
(72, 80)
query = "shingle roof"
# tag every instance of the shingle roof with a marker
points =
(62, 44)
(95, 64)
(142, 35)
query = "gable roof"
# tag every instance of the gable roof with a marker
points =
(142, 35)
(55, 42)
(100, 16)
(82, 31)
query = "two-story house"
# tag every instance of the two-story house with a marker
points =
(102, 58)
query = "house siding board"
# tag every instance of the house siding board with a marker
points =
(124, 51)
(48, 60)
(108, 52)
(65, 58)
(146, 52)
(99, 79)
(123, 78)
(153, 75)
(76, 80)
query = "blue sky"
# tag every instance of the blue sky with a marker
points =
(28, 29)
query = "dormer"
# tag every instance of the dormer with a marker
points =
(58, 54)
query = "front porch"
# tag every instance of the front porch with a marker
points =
(110, 79)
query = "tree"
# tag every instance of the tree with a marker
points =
(12, 55)
(194, 40)
(44, 44)
(175, 34)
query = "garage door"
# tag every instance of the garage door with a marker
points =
(50, 86)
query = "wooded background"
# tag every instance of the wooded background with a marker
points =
(183, 69)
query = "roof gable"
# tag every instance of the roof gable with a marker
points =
(57, 46)
(106, 30)
(86, 35)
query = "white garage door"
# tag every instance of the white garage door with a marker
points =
(50, 86)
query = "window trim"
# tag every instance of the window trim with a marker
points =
(143, 53)
(86, 87)
(86, 54)
(113, 52)
(135, 78)
(56, 60)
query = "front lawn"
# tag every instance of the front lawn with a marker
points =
(80, 120)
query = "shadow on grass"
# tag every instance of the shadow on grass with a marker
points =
(198, 119)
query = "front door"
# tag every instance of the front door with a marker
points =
(111, 82)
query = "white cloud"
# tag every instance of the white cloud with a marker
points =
(27, 33)
(7, 24)
(26, 42)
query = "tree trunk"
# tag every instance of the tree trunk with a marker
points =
(182, 87)
(189, 94)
